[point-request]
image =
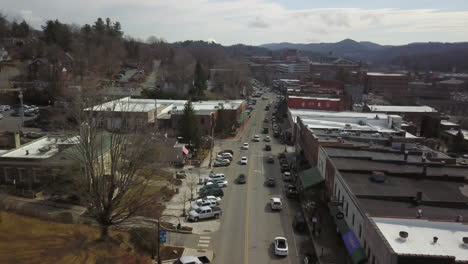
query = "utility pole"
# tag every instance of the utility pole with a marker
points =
(212, 140)
(20, 96)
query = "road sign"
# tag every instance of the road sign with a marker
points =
(339, 215)
(162, 236)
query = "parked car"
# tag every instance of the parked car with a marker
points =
(210, 198)
(267, 139)
(267, 148)
(220, 183)
(205, 192)
(241, 179)
(227, 151)
(284, 168)
(281, 155)
(1, 117)
(287, 176)
(271, 182)
(245, 146)
(4, 108)
(221, 163)
(201, 203)
(276, 204)
(205, 212)
(292, 192)
(33, 135)
(243, 161)
(281, 246)
(256, 138)
(299, 222)
(215, 176)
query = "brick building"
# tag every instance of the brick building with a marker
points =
(316, 103)
(394, 86)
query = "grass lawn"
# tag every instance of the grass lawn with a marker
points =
(30, 240)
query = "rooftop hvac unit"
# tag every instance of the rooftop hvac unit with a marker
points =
(403, 235)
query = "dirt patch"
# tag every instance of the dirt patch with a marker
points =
(155, 209)
(170, 252)
(47, 242)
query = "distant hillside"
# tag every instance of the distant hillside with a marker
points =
(245, 50)
(424, 56)
(345, 48)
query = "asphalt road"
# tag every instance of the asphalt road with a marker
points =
(248, 226)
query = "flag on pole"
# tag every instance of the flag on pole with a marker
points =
(185, 150)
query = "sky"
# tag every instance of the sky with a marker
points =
(256, 22)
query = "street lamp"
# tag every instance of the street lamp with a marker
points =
(20, 96)
(158, 229)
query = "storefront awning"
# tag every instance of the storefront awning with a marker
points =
(310, 177)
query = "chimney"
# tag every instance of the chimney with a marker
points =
(17, 140)
(465, 241)
(419, 213)
(406, 155)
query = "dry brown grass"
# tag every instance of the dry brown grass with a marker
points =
(29, 240)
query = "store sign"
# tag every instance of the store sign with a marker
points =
(351, 242)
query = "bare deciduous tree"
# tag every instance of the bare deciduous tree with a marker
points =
(109, 184)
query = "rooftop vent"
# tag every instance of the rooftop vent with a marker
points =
(434, 240)
(378, 177)
(465, 241)
(27, 152)
(403, 235)
(419, 213)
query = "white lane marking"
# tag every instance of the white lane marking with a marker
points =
(204, 241)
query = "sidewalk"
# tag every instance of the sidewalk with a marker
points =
(327, 243)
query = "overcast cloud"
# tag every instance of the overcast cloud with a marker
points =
(251, 21)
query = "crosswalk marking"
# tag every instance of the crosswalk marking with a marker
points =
(204, 241)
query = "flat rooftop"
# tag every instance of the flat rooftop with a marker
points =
(349, 121)
(128, 104)
(420, 237)
(386, 74)
(41, 148)
(346, 163)
(401, 109)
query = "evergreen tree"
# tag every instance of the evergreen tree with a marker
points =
(57, 33)
(188, 125)
(99, 27)
(458, 144)
(199, 82)
(117, 29)
(20, 30)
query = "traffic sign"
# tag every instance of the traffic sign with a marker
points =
(162, 236)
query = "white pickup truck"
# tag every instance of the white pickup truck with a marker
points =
(205, 212)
